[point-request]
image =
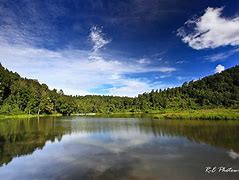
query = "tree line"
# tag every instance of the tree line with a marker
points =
(27, 96)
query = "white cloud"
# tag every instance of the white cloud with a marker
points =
(164, 76)
(133, 87)
(219, 68)
(97, 38)
(26, 24)
(143, 61)
(75, 71)
(211, 30)
(222, 56)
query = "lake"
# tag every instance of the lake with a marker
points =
(117, 148)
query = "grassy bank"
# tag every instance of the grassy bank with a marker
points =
(13, 116)
(209, 114)
(202, 114)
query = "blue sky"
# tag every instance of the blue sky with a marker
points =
(118, 47)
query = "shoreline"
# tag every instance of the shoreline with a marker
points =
(19, 116)
(201, 114)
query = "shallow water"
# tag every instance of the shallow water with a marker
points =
(117, 148)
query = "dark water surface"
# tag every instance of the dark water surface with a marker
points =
(117, 148)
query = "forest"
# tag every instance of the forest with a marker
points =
(27, 96)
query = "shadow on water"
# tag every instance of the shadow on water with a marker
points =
(23, 136)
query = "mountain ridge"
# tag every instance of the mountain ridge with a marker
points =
(28, 96)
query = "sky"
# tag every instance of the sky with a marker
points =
(121, 48)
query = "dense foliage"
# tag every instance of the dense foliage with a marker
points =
(218, 90)
(21, 95)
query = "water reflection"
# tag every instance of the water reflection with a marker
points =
(109, 148)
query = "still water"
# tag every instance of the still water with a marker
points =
(117, 148)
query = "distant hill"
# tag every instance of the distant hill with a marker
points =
(218, 90)
(26, 96)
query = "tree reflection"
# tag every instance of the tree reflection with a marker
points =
(23, 137)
